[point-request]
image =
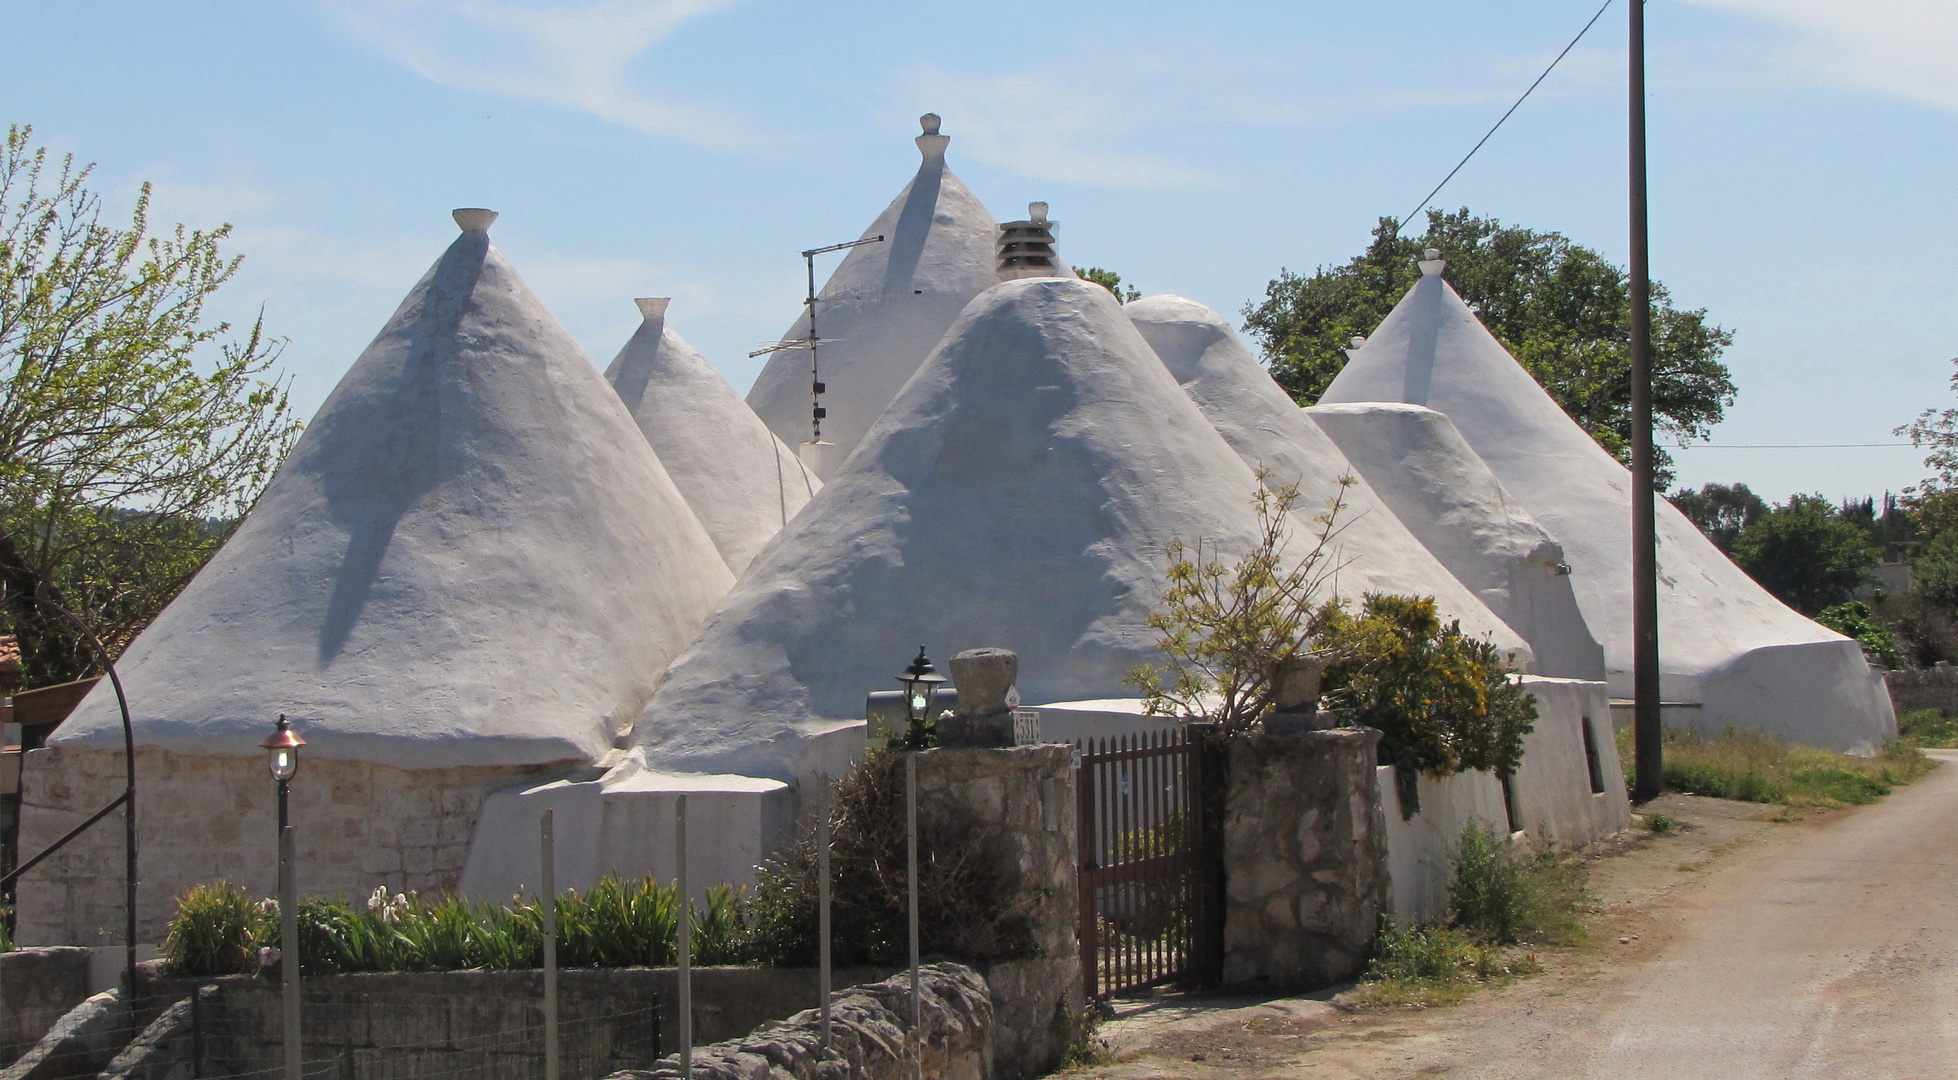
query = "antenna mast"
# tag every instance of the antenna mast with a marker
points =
(816, 387)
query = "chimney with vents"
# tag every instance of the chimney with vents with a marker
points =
(1026, 248)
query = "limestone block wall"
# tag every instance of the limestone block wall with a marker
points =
(1024, 791)
(1305, 857)
(1931, 688)
(358, 825)
(37, 987)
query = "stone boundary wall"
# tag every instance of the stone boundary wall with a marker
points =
(1930, 688)
(1305, 858)
(37, 988)
(443, 1021)
(870, 1037)
(199, 819)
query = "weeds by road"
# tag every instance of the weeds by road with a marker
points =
(1752, 767)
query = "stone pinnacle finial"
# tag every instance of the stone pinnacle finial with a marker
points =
(473, 218)
(1358, 340)
(1026, 248)
(1431, 262)
(1036, 211)
(1431, 254)
(652, 307)
(931, 144)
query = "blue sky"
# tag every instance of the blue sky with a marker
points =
(1802, 156)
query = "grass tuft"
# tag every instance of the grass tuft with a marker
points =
(1929, 728)
(1752, 767)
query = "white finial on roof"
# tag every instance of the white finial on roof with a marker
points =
(473, 218)
(653, 307)
(1358, 340)
(1036, 211)
(931, 144)
(1431, 262)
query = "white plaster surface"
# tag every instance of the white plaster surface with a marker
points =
(1433, 482)
(1421, 850)
(740, 480)
(1723, 640)
(882, 311)
(1552, 786)
(1375, 550)
(471, 557)
(1020, 493)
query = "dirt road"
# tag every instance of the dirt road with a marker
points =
(1739, 949)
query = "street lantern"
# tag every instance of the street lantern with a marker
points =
(921, 682)
(282, 759)
(282, 750)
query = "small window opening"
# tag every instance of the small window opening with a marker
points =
(1591, 758)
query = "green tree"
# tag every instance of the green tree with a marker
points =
(1855, 620)
(1720, 511)
(1938, 430)
(1110, 280)
(133, 430)
(1560, 308)
(1227, 627)
(1805, 554)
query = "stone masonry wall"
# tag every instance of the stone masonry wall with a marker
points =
(1305, 858)
(1024, 791)
(1931, 688)
(358, 825)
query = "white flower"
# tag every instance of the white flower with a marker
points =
(378, 899)
(267, 956)
(268, 906)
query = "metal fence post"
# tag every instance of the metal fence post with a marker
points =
(683, 935)
(822, 902)
(911, 889)
(197, 1033)
(548, 892)
(289, 953)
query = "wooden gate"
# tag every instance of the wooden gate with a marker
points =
(1151, 906)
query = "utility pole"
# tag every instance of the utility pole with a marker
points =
(1645, 544)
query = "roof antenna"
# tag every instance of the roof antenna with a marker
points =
(815, 444)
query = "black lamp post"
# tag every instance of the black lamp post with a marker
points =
(921, 682)
(282, 758)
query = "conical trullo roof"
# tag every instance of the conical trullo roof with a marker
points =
(884, 309)
(1021, 493)
(1268, 430)
(740, 480)
(1724, 642)
(471, 557)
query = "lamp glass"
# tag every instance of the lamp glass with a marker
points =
(283, 761)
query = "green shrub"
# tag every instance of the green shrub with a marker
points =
(217, 930)
(1855, 620)
(964, 900)
(1504, 893)
(1658, 823)
(1428, 954)
(1442, 700)
(1926, 727)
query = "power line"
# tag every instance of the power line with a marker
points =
(1784, 446)
(1505, 116)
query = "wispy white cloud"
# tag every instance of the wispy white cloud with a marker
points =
(1046, 129)
(576, 55)
(1899, 47)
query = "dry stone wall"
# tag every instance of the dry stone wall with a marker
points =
(1305, 858)
(871, 1037)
